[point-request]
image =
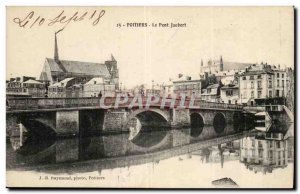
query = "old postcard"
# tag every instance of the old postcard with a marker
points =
(150, 97)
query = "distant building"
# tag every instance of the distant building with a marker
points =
(167, 88)
(230, 94)
(25, 87)
(98, 85)
(215, 66)
(64, 89)
(262, 84)
(212, 93)
(34, 88)
(188, 87)
(56, 70)
(155, 90)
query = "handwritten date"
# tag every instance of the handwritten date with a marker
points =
(32, 19)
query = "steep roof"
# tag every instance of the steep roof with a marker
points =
(79, 67)
(227, 65)
(95, 80)
(31, 81)
(58, 84)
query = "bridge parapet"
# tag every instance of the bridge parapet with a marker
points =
(24, 104)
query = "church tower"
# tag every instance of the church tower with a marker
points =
(113, 71)
(221, 64)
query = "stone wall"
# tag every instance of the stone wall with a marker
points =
(114, 121)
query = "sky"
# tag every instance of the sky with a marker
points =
(239, 34)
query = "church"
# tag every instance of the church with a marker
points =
(56, 70)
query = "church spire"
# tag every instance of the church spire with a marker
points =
(201, 68)
(221, 64)
(112, 58)
(56, 57)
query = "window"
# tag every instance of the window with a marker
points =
(270, 94)
(283, 75)
(259, 84)
(271, 154)
(278, 144)
(259, 77)
(252, 84)
(277, 83)
(277, 93)
(252, 94)
(282, 83)
(259, 94)
(270, 84)
(260, 153)
(244, 78)
(251, 77)
(278, 75)
(229, 93)
(259, 144)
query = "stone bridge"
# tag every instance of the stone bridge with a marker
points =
(85, 116)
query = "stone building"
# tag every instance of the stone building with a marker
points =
(188, 87)
(97, 85)
(230, 94)
(25, 87)
(263, 84)
(65, 89)
(211, 93)
(56, 70)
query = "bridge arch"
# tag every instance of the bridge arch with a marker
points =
(149, 118)
(197, 124)
(219, 122)
(40, 130)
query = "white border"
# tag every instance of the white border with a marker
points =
(4, 3)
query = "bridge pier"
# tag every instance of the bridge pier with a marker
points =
(67, 122)
(181, 118)
(114, 121)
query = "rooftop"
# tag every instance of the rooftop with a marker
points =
(79, 67)
(31, 81)
(62, 82)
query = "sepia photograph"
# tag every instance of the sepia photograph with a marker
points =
(150, 97)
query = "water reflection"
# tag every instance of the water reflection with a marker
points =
(266, 151)
(260, 151)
